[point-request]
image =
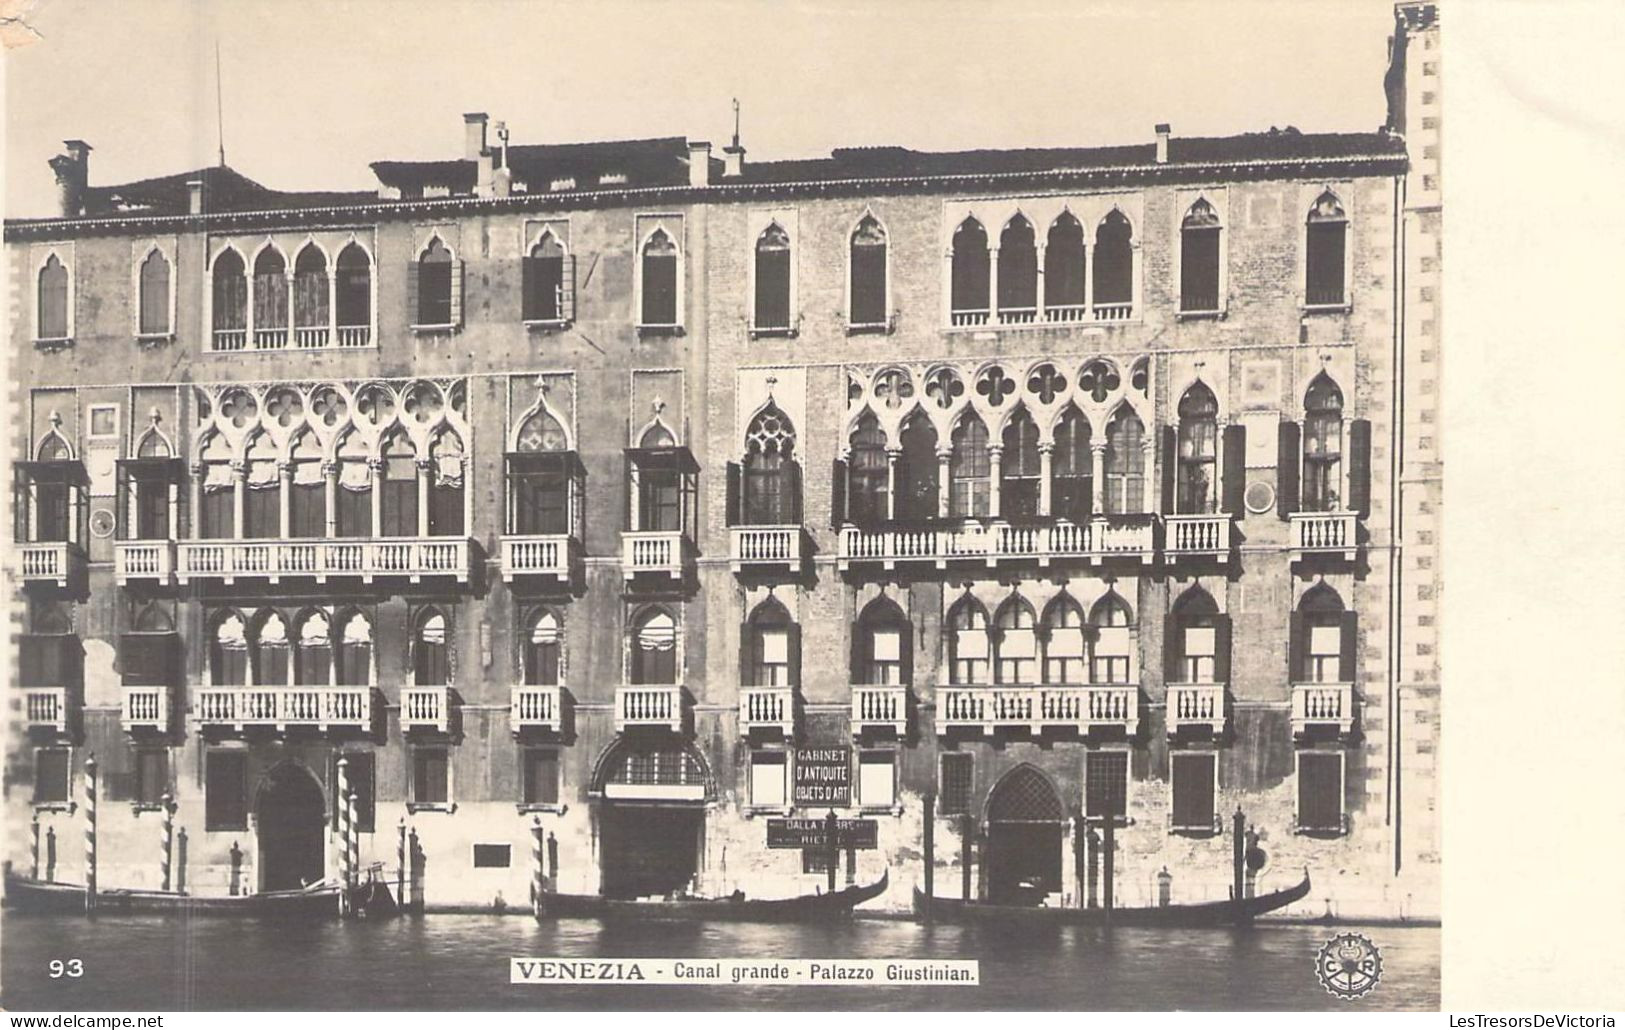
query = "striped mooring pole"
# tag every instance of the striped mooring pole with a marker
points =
(168, 840)
(344, 834)
(400, 865)
(34, 827)
(355, 835)
(536, 866)
(90, 833)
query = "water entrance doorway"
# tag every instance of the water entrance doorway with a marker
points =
(292, 820)
(1025, 823)
(651, 821)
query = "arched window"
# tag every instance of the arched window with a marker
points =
(268, 650)
(270, 290)
(868, 286)
(772, 644)
(970, 468)
(354, 515)
(400, 487)
(53, 300)
(917, 470)
(217, 519)
(1198, 450)
(1019, 471)
(307, 507)
(883, 646)
(1064, 269)
(661, 482)
(228, 651)
(541, 485)
(1064, 654)
(1125, 463)
(154, 320)
(543, 650)
(431, 649)
(1199, 258)
(1017, 643)
(1114, 641)
(1322, 445)
(654, 648)
(436, 289)
(772, 480)
(1114, 265)
(1072, 468)
(1018, 272)
(153, 619)
(970, 274)
(262, 504)
(230, 302)
(1325, 242)
(659, 281)
(446, 466)
(867, 473)
(1198, 640)
(313, 650)
(353, 302)
(772, 309)
(310, 289)
(542, 289)
(1323, 637)
(354, 665)
(969, 650)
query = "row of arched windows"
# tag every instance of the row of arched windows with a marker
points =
(311, 298)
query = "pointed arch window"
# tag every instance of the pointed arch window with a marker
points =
(353, 659)
(1072, 466)
(447, 484)
(970, 468)
(352, 299)
(654, 649)
(149, 486)
(53, 297)
(431, 649)
(228, 651)
(1322, 446)
(355, 482)
(1019, 469)
(969, 645)
(1198, 641)
(217, 518)
(1125, 463)
(1017, 643)
(773, 648)
(1325, 252)
(969, 275)
(154, 307)
(229, 300)
(312, 291)
(883, 646)
(1064, 643)
(268, 650)
(918, 471)
(772, 308)
(307, 503)
(542, 288)
(868, 275)
(659, 278)
(270, 298)
(399, 501)
(438, 276)
(150, 654)
(262, 501)
(1018, 272)
(545, 479)
(664, 482)
(1198, 451)
(769, 488)
(868, 473)
(542, 654)
(1114, 266)
(313, 650)
(1113, 658)
(1064, 270)
(1199, 259)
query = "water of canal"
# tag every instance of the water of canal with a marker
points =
(461, 962)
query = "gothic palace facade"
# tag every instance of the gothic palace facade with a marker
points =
(623, 486)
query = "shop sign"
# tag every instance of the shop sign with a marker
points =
(823, 777)
(862, 834)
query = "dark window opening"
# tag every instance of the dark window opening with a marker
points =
(230, 308)
(361, 773)
(868, 286)
(1320, 792)
(1193, 785)
(434, 285)
(1019, 470)
(354, 300)
(918, 471)
(773, 279)
(957, 770)
(1198, 451)
(154, 318)
(225, 791)
(659, 281)
(542, 286)
(151, 776)
(270, 290)
(1199, 259)
(969, 292)
(312, 303)
(431, 770)
(1106, 784)
(1114, 261)
(1064, 264)
(868, 474)
(53, 300)
(492, 856)
(541, 776)
(1018, 269)
(1325, 242)
(1072, 468)
(52, 777)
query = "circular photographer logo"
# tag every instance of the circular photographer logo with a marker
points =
(1349, 966)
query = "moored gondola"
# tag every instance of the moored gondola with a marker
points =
(318, 901)
(1197, 915)
(806, 908)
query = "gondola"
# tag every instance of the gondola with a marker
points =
(804, 909)
(318, 901)
(1200, 914)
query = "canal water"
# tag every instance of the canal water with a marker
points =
(461, 962)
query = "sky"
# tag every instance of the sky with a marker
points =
(314, 91)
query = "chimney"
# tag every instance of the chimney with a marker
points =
(194, 196)
(473, 135)
(699, 163)
(1162, 143)
(733, 161)
(72, 175)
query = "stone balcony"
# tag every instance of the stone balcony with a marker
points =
(47, 708)
(146, 708)
(665, 552)
(538, 708)
(1322, 706)
(767, 547)
(879, 708)
(1037, 708)
(1197, 536)
(1095, 541)
(55, 562)
(323, 708)
(1324, 532)
(411, 558)
(661, 707)
(428, 708)
(152, 560)
(552, 555)
(1199, 705)
(770, 709)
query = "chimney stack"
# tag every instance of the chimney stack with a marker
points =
(194, 196)
(699, 163)
(733, 159)
(474, 135)
(1162, 142)
(72, 176)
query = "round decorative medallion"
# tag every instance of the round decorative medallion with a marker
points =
(1349, 965)
(1260, 497)
(102, 523)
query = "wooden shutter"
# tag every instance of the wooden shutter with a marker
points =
(747, 652)
(792, 644)
(905, 653)
(529, 281)
(1221, 648)
(732, 493)
(1286, 479)
(1350, 639)
(457, 292)
(837, 494)
(1167, 460)
(148, 659)
(626, 491)
(567, 289)
(1360, 467)
(414, 313)
(1296, 633)
(859, 653)
(1235, 469)
(792, 487)
(1173, 649)
(1193, 776)
(1320, 791)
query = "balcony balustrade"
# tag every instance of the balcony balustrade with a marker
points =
(46, 708)
(1114, 312)
(1196, 704)
(537, 708)
(427, 708)
(56, 562)
(230, 339)
(146, 708)
(1197, 536)
(666, 707)
(1039, 708)
(666, 551)
(1108, 537)
(1324, 532)
(281, 707)
(767, 545)
(768, 708)
(557, 555)
(1322, 705)
(413, 558)
(355, 335)
(879, 708)
(144, 559)
(1018, 316)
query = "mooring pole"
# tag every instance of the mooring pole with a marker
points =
(1079, 857)
(1250, 886)
(536, 866)
(1237, 844)
(236, 869)
(34, 829)
(1093, 841)
(413, 850)
(180, 860)
(343, 799)
(90, 834)
(967, 849)
(553, 860)
(353, 842)
(50, 854)
(830, 828)
(1110, 847)
(168, 840)
(400, 863)
(930, 843)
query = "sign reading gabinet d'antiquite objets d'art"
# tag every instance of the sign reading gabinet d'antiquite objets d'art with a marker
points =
(823, 776)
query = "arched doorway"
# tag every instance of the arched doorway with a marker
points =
(651, 819)
(1024, 830)
(292, 820)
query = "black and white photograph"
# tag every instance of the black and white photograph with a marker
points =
(828, 506)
